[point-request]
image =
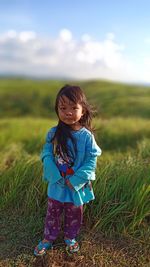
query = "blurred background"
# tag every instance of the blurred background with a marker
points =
(104, 47)
(76, 39)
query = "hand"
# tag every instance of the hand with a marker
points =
(69, 184)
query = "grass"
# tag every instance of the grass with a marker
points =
(122, 193)
(116, 228)
(21, 97)
(114, 135)
(20, 237)
(122, 185)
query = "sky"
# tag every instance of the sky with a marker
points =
(80, 39)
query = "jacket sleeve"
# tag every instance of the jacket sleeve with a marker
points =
(50, 170)
(85, 172)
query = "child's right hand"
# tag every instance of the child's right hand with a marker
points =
(69, 184)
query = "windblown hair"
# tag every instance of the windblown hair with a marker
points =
(63, 131)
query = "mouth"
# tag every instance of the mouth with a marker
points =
(68, 119)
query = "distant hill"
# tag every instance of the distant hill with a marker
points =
(27, 97)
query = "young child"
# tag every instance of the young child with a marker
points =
(69, 161)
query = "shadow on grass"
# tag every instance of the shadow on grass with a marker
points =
(20, 234)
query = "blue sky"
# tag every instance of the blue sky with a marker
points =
(80, 39)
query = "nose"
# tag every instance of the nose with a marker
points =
(68, 113)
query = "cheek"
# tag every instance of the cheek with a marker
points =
(79, 115)
(60, 114)
(81, 112)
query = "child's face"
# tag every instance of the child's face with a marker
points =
(70, 113)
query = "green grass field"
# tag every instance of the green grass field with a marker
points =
(116, 226)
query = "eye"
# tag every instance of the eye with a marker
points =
(75, 108)
(62, 108)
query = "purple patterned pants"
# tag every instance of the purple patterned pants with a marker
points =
(73, 217)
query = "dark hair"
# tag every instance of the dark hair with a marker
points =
(63, 131)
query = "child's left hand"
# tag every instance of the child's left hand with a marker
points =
(69, 184)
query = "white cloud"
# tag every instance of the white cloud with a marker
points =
(10, 34)
(27, 36)
(29, 54)
(65, 35)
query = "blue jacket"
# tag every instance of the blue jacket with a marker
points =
(84, 168)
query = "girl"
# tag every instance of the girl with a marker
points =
(69, 161)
